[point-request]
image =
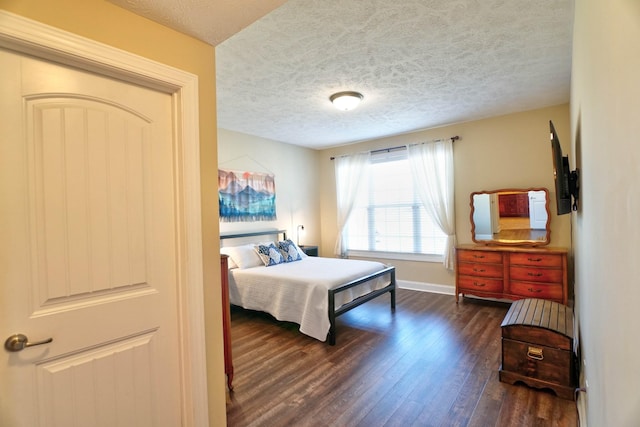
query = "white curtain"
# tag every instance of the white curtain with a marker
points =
(351, 178)
(432, 170)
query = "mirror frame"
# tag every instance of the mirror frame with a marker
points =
(544, 242)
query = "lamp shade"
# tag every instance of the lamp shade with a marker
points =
(346, 100)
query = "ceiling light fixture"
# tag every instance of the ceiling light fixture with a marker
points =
(346, 101)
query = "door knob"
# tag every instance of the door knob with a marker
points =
(17, 342)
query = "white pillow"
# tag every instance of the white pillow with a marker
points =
(300, 251)
(230, 262)
(243, 256)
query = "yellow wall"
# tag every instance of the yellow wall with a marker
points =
(605, 110)
(511, 151)
(103, 22)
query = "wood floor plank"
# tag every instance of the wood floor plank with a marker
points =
(431, 363)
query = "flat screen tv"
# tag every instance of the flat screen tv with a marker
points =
(565, 180)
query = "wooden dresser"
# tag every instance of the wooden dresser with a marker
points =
(512, 272)
(226, 319)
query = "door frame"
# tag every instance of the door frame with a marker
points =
(26, 36)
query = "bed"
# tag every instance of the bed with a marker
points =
(309, 291)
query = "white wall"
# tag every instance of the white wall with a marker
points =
(296, 177)
(605, 121)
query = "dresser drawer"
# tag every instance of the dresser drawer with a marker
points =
(550, 291)
(479, 284)
(535, 259)
(483, 270)
(480, 256)
(549, 275)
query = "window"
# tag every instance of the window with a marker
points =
(388, 215)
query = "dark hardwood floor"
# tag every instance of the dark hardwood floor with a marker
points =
(431, 363)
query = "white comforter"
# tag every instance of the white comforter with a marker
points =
(298, 291)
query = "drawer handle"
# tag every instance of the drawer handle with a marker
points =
(478, 256)
(480, 285)
(534, 274)
(535, 353)
(479, 270)
(534, 259)
(535, 291)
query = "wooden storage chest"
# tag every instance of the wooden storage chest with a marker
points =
(537, 346)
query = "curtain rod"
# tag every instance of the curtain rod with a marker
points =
(400, 147)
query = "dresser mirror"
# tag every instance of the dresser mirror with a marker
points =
(511, 217)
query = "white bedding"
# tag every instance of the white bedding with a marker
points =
(298, 291)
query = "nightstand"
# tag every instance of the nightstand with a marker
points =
(310, 250)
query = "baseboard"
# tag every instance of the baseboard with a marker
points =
(581, 405)
(581, 402)
(426, 287)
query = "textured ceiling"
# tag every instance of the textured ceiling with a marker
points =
(212, 21)
(418, 63)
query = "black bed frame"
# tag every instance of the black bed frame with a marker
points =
(333, 313)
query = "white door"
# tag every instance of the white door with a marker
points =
(482, 217)
(495, 214)
(88, 250)
(537, 210)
